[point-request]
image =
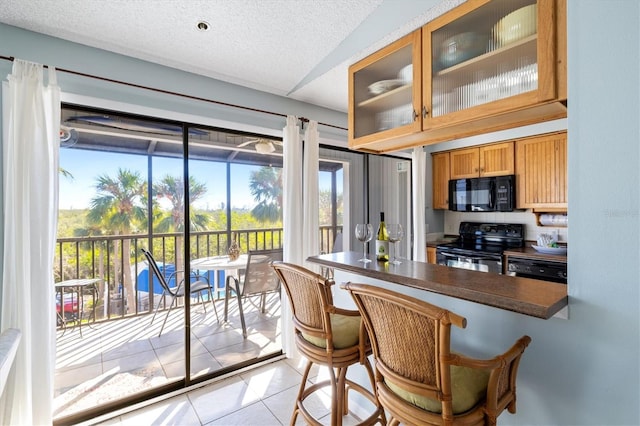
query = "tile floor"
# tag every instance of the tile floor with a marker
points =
(262, 396)
(118, 358)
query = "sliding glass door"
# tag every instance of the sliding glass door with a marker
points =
(161, 220)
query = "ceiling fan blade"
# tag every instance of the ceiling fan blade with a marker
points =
(248, 143)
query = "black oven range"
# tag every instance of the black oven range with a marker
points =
(479, 246)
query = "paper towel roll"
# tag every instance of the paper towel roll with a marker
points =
(554, 219)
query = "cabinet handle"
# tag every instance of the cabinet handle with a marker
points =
(424, 112)
(415, 115)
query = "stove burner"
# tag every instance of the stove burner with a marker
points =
(487, 239)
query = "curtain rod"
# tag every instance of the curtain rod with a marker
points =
(168, 92)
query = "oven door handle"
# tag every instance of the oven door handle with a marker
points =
(469, 256)
(445, 254)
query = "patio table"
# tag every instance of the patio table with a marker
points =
(77, 285)
(219, 263)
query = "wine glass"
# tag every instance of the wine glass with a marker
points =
(364, 233)
(395, 232)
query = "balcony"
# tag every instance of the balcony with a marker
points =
(108, 349)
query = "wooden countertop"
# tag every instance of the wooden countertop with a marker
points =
(541, 299)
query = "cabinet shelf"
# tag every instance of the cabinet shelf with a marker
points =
(392, 98)
(524, 47)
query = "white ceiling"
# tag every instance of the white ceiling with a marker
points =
(300, 49)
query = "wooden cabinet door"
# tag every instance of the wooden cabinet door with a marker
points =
(541, 172)
(470, 78)
(465, 163)
(497, 159)
(431, 255)
(440, 189)
(385, 92)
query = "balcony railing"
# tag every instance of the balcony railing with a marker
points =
(119, 264)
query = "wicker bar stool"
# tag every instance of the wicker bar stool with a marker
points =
(418, 380)
(328, 336)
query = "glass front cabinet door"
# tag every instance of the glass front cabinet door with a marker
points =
(483, 66)
(385, 92)
(486, 57)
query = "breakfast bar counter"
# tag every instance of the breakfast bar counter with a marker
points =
(536, 298)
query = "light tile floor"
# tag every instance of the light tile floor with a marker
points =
(114, 359)
(263, 396)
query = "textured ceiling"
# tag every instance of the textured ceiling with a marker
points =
(295, 48)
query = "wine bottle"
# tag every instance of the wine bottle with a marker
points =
(382, 241)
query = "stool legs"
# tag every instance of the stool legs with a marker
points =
(340, 387)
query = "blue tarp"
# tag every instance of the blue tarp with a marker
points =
(143, 278)
(167, 270)
(210, 275)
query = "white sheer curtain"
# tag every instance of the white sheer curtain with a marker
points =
(311, 225)
(300, 194)
(291, 219)
(30, 140)
(418, 186)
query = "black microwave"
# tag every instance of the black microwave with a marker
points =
(485, 194)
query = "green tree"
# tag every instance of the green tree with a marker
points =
(171, 188)
(265, 185)
(324, 198)
(119, 208)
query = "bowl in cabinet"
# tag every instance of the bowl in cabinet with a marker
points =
(518, 24)
(462, 47)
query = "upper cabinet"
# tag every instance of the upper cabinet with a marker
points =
(440, 179)
(488, 160)
(486, 65)
(385, 92)
(541, 172)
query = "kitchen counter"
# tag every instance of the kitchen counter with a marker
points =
(541, 299)
(529, 252)
(443, 240)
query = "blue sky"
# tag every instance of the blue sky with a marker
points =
(86, 166)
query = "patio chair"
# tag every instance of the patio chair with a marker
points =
(197, 287)
(259, 279)
(418, 379)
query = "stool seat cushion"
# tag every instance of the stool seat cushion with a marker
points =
(345, 330)
(468, 387)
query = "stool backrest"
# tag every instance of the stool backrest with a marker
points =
(310, 297)
(410, 339)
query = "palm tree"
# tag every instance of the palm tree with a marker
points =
(265, 185)
(118, 207)
(172, 189)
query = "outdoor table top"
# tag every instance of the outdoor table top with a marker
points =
(219, 263)
(77, 282)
